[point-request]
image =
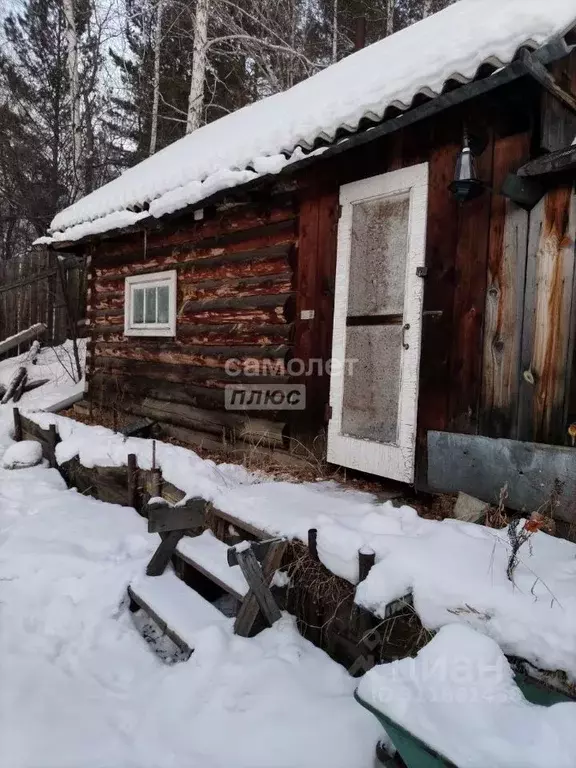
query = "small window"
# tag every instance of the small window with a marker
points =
(150, 308)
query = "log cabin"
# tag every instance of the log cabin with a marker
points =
(376, 265)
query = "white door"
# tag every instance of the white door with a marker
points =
(377, 323)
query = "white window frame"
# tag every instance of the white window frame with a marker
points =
(153, 280)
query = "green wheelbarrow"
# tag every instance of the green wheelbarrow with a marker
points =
(412, 752)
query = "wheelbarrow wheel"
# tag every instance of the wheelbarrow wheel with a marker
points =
(386, 759)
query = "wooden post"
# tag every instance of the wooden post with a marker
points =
(361, 618)
(313, 543)
(156, 483)
(132, 481)
(17, 425)
(52, 440)
(366, 559)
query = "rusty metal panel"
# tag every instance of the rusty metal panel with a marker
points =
(482, 466)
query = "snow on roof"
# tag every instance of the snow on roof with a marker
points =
(263, 137)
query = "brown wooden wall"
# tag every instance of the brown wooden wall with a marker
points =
(235, 301)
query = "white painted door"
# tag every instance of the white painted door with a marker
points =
(378, 322)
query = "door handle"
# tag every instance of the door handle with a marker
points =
(405, 327)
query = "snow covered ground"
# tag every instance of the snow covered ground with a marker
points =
(80, 688)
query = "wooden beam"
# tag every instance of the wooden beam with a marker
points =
(260, 597)
(538, 71)
(163, 517)
(19, 338)
(161, 557)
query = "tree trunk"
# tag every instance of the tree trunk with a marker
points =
(76, 128)
(197, 80)
(156, 92)
(390, 5)
(335, 32)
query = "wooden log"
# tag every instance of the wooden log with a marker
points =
(259, 598)
(163, 518)
(176, 353)
(214, 422)
(276, 246)
(17, 377)
(186, 374)
(212, 290)
(19, 390)
(17, 424)
(262, 432)
(199, 233)
(32, 385)
(20, 338)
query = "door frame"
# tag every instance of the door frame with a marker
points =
(395, 461)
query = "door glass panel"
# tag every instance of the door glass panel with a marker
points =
(151, 305)
(138, 305)
(163, 303)
(371, 392)
(378, 256)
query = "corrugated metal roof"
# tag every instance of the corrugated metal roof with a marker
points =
(457, 45)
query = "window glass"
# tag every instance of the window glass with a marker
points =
(138, 305)
(150, 310)
(163, 303)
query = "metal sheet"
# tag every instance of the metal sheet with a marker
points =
(481, 466)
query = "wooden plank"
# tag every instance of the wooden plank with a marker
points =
(241, 525)
(163, 554)
(439, 288)
(469, 300)
(507, 253)
(259, 598)
(482, 466)
(162, 625)
(305, 328)
(259, 548)
(163, 518)
(547, 331)
(20, 338)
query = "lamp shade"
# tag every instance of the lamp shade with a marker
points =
(466, 185)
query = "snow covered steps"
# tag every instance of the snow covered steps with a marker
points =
(209, 556)
(178, 610)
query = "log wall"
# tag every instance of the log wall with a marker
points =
(235, 301)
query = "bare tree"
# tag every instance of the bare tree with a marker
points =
(75, 127)
(198, 78)
(156, 82)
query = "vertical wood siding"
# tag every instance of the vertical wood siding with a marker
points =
(548, 313)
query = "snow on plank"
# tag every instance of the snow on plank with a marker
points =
(208, 555)
(178, 610)
(19, 338)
